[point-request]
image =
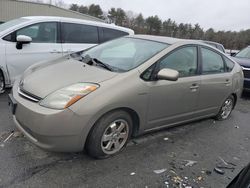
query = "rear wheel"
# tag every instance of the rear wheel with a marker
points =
(226, 108)
(109, 135)
(2, 82)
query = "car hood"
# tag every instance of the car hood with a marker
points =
(47, 77)
(245, 62)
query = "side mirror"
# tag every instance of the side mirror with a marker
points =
(168, 74)
(232, 54)
(22, 39)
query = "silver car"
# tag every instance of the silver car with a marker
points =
(100, 98)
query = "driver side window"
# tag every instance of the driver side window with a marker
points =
(184, 60)
(41, 32)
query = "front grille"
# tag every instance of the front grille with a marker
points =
(246, 73)
(28, 95)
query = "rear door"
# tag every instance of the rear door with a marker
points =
(216, 81)
(45, 45)
(77, 37)
(175, 101)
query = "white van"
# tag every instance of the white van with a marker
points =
(27, 40)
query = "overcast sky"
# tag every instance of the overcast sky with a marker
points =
(218, 14)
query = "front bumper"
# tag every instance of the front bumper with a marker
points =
(53, 130)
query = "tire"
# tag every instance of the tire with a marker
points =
(109, 135)
(226, 108)
(2, 82)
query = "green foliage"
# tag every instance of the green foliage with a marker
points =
(83, 9)
(118, 16)
(74, 7)
(230, 39)
(139, 26)
(95, 10)
(154, 25)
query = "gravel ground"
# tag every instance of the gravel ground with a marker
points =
(187, 153)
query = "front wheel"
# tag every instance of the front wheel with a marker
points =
(109, 135)
(226, 108)
(2, 83)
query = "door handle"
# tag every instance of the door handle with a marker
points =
(194, 87)
(68, 51)
(227, 82)
(55, 52)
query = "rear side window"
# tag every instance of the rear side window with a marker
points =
(79, 33)
(221, 48)
(109, 34)
(212, 62)
(229, 65)
(40, 33)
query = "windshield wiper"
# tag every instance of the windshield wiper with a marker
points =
(93, 61)
(98, 62)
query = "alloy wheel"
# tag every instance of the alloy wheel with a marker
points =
(115, 136)
(226, 108)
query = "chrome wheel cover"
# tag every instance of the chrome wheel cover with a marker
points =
(226, 108)
(115, 136)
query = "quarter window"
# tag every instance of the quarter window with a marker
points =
(183, 60)
(147, 75)
(212, 62)
(229, 65)
(9, 38)
(109, 34)
(41, 32)
(79, 33)
(221, 48)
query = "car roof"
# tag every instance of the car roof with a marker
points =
(167, 40)
(211, 42)
(75, 20)
(171, 40)
(216, 44)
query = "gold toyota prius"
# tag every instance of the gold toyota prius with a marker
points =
(99, 98)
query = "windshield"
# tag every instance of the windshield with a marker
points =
(245, 53)
(12, 23)
(125, 53)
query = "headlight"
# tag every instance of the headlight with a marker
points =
(65, 97)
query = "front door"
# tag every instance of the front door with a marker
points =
(44, 46)
(175, 101)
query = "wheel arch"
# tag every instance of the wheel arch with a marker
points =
(134, 115)
(235, 98)
(135, 119)
(4, 76)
